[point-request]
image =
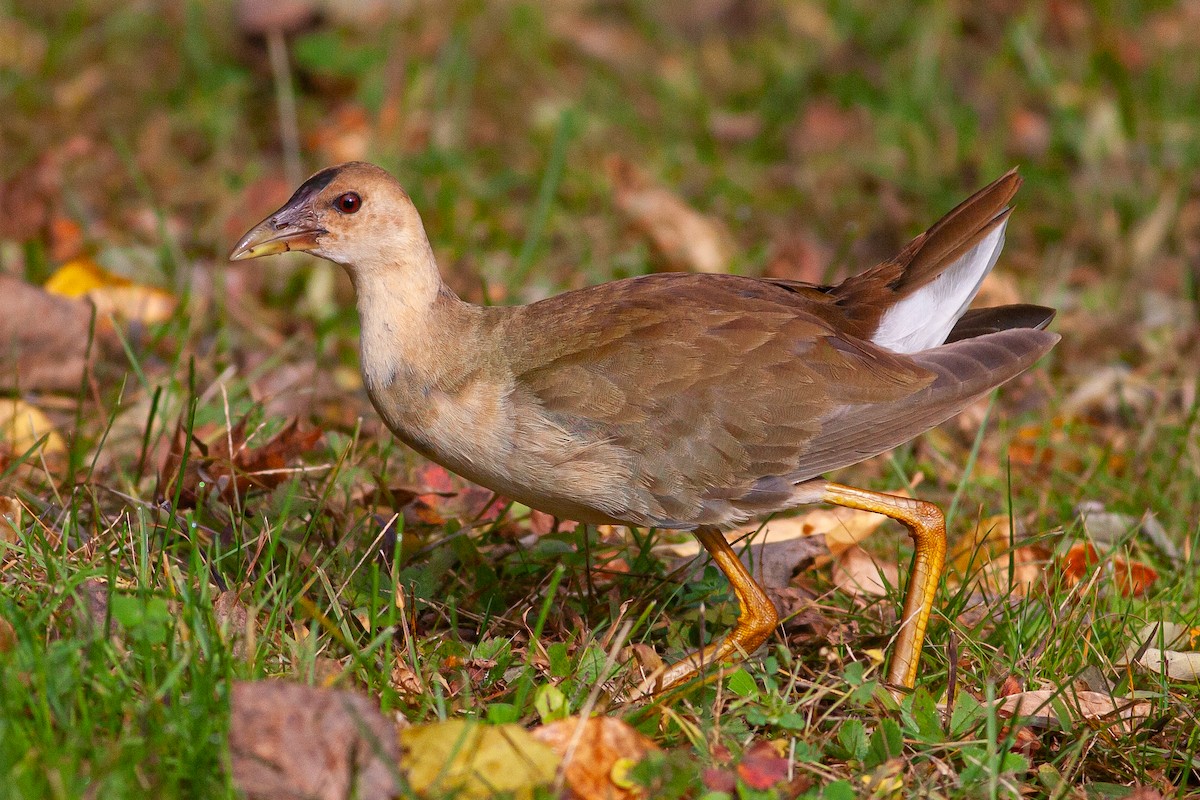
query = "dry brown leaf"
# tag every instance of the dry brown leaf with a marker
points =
(113, 295)
(8, 636)
(287, 740)
(1019, 573)
(1108, 528)
(238, 628)
(30, 196)
(405, 681)
(858, 574)
(774, 551)
(614, 44)
(686, 239)
(229, 466)
(45, 338)
(1029, 133)
(781, 545)
(1145, 793)
(825, 127)
(598, 756)
(1166, 649)
(1041, 708)
(464, 759)
(343, 134)
(1040, 452)
(799, 256)
(89, 607)
(445, 495)
(845, 527)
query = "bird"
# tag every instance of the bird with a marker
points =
(677, 401)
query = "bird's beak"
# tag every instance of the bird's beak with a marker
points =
(289, 228)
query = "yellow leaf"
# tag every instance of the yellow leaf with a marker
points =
(10, 520)
(81, 275)
(113, 295)
(22, 424)
(992, 537)
(472, 760)
(602, 750)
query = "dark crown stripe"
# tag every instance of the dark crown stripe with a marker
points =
(313, 185)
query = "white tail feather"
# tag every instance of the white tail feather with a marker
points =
(924, 318)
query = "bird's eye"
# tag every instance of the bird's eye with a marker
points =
(348, 203)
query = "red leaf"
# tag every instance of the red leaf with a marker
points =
(761, 767)
(719, 780)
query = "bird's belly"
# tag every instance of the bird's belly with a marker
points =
(522, 455)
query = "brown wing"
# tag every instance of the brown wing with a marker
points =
(965, 370)
(715, 386)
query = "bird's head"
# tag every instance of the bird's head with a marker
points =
(354, 214)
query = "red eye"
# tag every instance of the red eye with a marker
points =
(348, 203)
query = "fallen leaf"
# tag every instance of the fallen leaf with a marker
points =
(843, 527)
(89, 607)
(1018, 573)
(287, 740)
(1132, 578)
(616, 45)
(991, 537)
(685, 238)
(604, 746)
(405, 681)
(780, 545)
(45, 338)
(113, 295)
(8, 636)
(799, 256)
(464, 759)
(826, 127)
(229, 466)
(735, 127)
(30, 196)
(1109, 528)
(1144, 793)
(1041, 708)
(858, 574)
(1109, 391)
(343, 134)
(1166, 649)
(22, 425)
(1029, 133)
(719, 780)
(445, 496)
(1040, 450)
(762, 766)
(10, 520)
(235, 624)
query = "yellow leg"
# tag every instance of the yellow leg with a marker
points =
(928, 529)
(756, 620)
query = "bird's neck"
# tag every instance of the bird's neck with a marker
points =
(410, 321)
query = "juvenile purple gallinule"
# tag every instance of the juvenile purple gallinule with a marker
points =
(681, 401)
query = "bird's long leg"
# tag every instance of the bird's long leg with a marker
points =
(927, 526)
(756, 620)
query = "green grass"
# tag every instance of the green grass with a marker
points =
(128, 611)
